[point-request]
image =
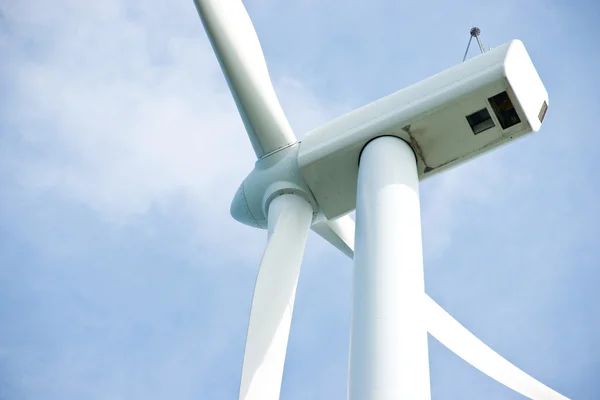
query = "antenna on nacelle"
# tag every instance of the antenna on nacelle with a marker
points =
(475, 31)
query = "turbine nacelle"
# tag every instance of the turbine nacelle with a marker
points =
(460, 113)
(454, 116)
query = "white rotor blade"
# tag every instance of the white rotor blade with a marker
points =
(270, 318)
(456, 337)
(238, 50)
(339, 232)
(467, 346)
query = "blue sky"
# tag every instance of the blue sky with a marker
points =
(122, 275)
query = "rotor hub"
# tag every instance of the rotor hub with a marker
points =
(273, 175)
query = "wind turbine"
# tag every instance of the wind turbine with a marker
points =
(371, 161)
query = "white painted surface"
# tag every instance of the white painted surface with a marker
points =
(339, 232)
(290, 217)
(526, 84)
(431, 116)
(272, 176)
(467, 346)
(240, 55)
(388, 344)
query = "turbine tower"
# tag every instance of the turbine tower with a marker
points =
(370, 160)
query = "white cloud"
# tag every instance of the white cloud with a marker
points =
(125, 111)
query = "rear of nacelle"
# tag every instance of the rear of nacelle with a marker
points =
(448, 118)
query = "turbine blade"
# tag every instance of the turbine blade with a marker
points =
(339, 232)
(270, 318)
(449, 331)
(467, 346)
(238, 50)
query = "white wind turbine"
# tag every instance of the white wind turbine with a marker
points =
(412, 134)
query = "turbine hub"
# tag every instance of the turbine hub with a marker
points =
(273, 175)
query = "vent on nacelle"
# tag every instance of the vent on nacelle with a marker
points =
(504, 110)
(480, 121)
(543, 110)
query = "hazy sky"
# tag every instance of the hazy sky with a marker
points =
(122, 275)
